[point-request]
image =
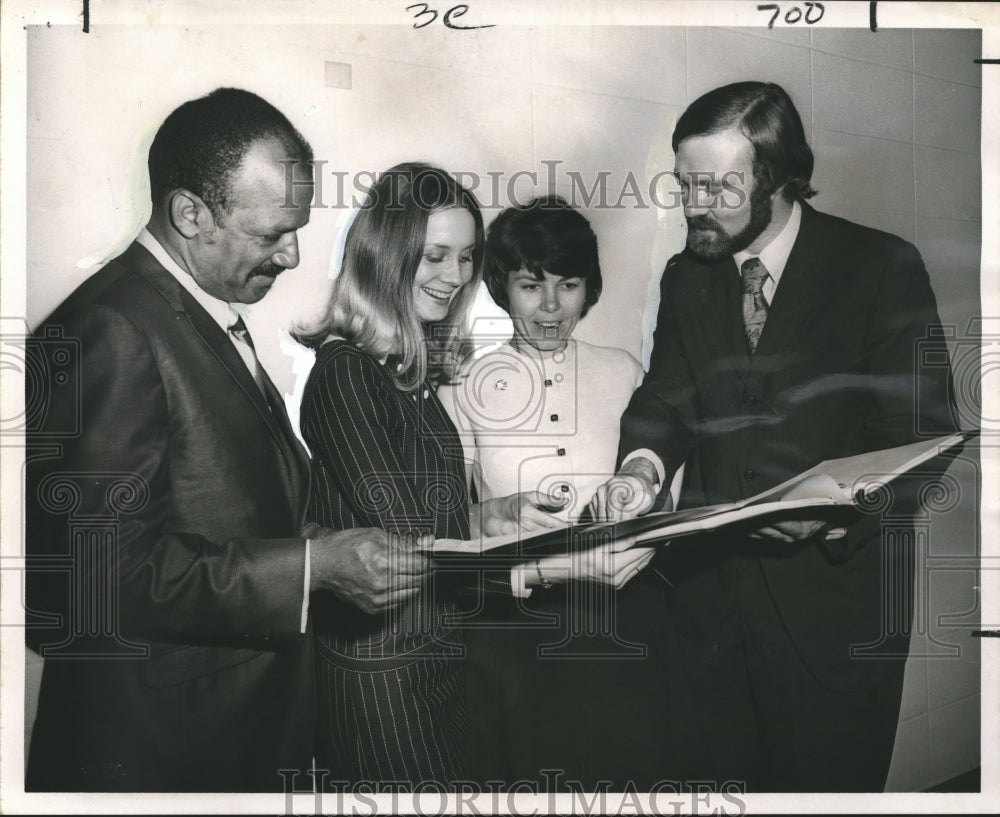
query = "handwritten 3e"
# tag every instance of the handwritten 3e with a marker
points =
(424, 10)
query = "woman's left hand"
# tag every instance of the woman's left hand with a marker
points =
(610, 564)
(528, 511)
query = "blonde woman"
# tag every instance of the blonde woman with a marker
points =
(385, 454)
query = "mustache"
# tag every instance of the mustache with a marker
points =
(268, 268)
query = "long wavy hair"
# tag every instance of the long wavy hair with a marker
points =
(371, 303)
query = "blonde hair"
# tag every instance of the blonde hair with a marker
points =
(371, 303)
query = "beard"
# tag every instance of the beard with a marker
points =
(715, 243)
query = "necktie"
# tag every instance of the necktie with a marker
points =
(754, 274)
(239, 331)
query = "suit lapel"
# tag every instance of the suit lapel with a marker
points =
(216, 340)
(294, 455)
(722, 316)
(293, 460)
(221, 347)
(808, 286)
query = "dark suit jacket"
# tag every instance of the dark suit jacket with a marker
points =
(164, 503)
(848, 362)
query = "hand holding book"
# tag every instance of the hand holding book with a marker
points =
(796, 530)
(628, 494)
(613, 563)
(831, 485)
(528, 511)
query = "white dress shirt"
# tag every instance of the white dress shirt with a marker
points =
(775, 255)
(224, 314)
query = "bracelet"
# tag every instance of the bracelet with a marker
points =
(541, 579)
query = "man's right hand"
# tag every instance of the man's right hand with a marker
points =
(367, 567)
(629, 493)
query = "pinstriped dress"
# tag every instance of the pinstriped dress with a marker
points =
(390, 685)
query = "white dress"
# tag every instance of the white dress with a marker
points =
(543, 421)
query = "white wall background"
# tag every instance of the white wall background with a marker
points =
(893, 119)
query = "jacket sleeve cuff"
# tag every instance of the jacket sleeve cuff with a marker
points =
(653, 458)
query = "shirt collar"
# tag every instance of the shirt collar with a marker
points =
(567, 353)
(222, 313)
(775, 255)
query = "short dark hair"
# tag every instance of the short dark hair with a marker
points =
(544, 235)
(200, 145)
(766, 115)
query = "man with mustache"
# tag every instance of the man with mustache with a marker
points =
(165, 497)
(784, 337)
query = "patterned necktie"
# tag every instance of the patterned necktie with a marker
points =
(754, 275)
(239, 331)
